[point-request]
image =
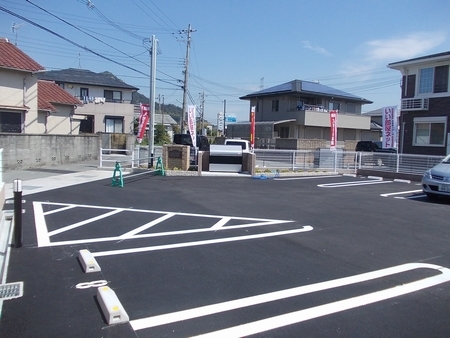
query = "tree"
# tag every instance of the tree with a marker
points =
(161, 136)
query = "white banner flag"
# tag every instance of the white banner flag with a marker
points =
(390, 127)
(192, 124)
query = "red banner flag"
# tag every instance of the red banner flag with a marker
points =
(143, 120)
(333, 129)
(252, 129)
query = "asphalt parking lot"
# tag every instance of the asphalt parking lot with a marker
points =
(229, 257)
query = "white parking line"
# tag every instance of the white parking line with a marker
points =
(44, 236)
(400, 193)
(302, 315)
(304, 178)
(197, 243)
(79, 224)
(351, 184)
(147, 226)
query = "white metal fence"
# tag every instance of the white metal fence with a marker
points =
(295, 160)
(324, 159)
(139, 156)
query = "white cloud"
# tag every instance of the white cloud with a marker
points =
(412, 45)
(317, 49)
(376, 54)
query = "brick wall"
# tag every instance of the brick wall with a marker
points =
(176, 156)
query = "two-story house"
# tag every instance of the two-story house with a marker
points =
(18, 89)
(425, 104)
(106, 99)
(300, 109)
(29, 105)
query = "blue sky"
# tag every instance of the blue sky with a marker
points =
(238, 47)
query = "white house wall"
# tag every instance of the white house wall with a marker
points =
(101, 110)
(61, 123)
(11, 88)
(18, 89)
(74, 89)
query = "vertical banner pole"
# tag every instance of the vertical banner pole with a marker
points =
(252, 128)
(17, 187)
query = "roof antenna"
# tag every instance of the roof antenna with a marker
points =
(15, 27)
(79, 60)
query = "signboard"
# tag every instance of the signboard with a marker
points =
(220, 121)
(390, 127)
(333, 129)
(231, 118)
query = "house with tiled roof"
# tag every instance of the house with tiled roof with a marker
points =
(425, 101)
(18, 89)
(106, 99)
(56, 110)
(28, 105)
(301, 110)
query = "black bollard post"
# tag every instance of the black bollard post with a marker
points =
(17, 187)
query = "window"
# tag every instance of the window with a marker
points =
(429, 131)
(333, 106)
(84, 92)
(114, 124)
(112, 96)
(409, 86)
(87, 125)
(433, 80)
(351, 108)
(441, 79)
(275, 105)
(10, 122)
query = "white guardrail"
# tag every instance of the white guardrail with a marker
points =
(295, 160)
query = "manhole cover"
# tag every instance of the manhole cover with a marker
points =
(11, 290)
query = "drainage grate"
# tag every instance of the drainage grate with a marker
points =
(11, 290)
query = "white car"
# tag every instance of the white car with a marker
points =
(238, 142)
(436, 181)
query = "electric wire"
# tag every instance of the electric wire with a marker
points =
(75, 43)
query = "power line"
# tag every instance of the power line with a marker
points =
(74, 43)
(91, 6)
(73, 26)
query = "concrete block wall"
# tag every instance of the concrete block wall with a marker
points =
(24, 151)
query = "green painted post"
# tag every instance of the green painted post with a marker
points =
(117, 181)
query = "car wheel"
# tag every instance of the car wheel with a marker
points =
(432, 196)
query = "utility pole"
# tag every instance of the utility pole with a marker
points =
(202, 110)
(186, 74)
(151, 141)
(159, 104)
(162, 117)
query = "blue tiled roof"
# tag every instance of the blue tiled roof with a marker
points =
(306, 87)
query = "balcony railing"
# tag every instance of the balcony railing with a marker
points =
(415, 104)
(312, 108)
(99, 100)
